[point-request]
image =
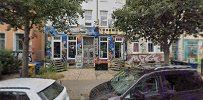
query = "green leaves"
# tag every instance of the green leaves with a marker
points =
(14, 12)
(160, 20)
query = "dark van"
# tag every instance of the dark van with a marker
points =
(151, 83)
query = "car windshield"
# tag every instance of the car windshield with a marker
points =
(125, 79)
(51, 92)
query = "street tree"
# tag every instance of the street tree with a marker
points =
(160, 21)
(24, 14)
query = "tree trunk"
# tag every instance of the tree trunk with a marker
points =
(166, 54)
(26, 49)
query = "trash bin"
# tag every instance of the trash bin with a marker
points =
(38, 65)
(31, 69)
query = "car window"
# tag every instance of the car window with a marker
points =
(13, 95)
(51, 92)
(148, 85)
(182, 81)
(125, 79)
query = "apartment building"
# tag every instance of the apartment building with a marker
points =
(11, 39)
(93, 36)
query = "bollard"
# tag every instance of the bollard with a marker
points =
(201, 66)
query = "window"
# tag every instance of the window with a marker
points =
(8, 95)
(88, 14)
(88, 0)
(19, 41)
(103, 47)
(103, 0)
(135, 47)
(71, 46)
(2, 41)
(118, 47)
(51, 92)
(150, 47)
(88, 24)
(183, 81)
(161, 49)
(148, 85)
(103, 15)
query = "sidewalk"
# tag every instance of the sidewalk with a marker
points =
(87, 74)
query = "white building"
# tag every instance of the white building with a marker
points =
(102, 9)
(84, 42)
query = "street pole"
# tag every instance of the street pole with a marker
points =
(97, 10)
(202, 66)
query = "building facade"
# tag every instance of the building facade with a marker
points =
(140, 50)
(188, 48)
(11, 39)
(93, 37)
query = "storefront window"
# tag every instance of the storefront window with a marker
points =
(191, 50)
(118, 47)
(72, 47)
(103, 48)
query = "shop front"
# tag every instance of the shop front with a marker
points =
(84, 46)
(193, 50)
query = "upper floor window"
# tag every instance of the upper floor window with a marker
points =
(2, 41)
(88, 0)
(19, 41)
(72, 45)
(103, 0)
(103, 15)
(88, 14)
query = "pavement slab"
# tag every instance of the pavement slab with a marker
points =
(79, 82)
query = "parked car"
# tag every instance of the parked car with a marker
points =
(32, 89)
(152, 83)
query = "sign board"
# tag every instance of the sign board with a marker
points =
(78, 60)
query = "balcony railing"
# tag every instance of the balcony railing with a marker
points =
(111, 31)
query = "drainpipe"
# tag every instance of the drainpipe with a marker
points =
(97, 11)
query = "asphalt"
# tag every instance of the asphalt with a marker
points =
(80, 89)
(79, 82)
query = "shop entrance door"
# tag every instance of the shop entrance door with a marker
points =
(88, 50)
(57, 50)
